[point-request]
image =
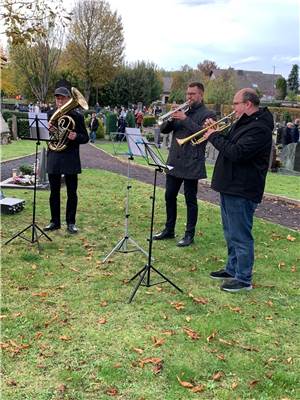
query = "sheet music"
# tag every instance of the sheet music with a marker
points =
(42, 124)
(135, 142)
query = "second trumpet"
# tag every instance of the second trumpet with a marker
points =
(219, 126)
(168, 116)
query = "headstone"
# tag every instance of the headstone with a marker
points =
(290, 157)
(14, 127)
(4, 131)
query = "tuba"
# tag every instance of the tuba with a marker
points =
(63, 124)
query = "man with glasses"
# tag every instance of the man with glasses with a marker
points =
(188, 164)
(239, 176)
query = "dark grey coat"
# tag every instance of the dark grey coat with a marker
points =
(68, 160)
(188, 160)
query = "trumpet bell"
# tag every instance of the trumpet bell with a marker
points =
(168, 116)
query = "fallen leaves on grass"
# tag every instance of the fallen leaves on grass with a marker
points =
(65, 338)
(102, 321)
(112, 392)
(211, 336)
(189, 385)
(177, 305)
(217, 376)
(291, 238)
(150, 360)
(191, 334)
(157, 342)
(40, 294)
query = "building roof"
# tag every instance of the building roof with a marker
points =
(167, 83)
(265, 83)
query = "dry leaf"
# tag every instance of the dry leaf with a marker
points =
(102, 321)
(192, 334)
(62, 388)
(200, 300)
(38, 335)
(234, 385)
(168, 332)
(211, 336)
(3, 316)
(253, 383)
(40, 294)
(198, 389)
(103, 303)
(151, 360)
(157, 368)
(112, 392)
(157, 342)
(289, 360)
(188, 319)
(178, 305)
(65, 337)
(185, 384)
(221, 357)
(293, 268)
(139, 351)
(291, 238)
(218, 376)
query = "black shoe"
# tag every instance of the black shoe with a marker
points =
(221, 274)
(51, 227)
(185, 241)
(165, 234)
(71, 228)
(235, 286)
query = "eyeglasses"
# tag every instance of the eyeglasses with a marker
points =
(238, 102)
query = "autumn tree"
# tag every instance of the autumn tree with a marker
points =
(281, 88)
(24, 20)
(95, 43)
(220, 90)
(37, 62)
(206, 67)
(137, 82)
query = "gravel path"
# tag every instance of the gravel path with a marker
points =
(273, 208)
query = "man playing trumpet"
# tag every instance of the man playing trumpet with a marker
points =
(188, 163)
(239, 176)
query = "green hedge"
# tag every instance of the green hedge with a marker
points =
(149, 120)
(9, 113)
(111, 123)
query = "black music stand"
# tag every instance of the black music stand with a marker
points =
(35, 127)
(122, 245)
(153, 158)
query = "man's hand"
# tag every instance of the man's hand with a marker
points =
(179, 115)
(208, 122)
(72, 135)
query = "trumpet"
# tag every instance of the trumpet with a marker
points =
(168, 116)
(219, 125)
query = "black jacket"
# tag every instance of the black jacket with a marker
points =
(68, 160)
(244, 153)
(188, 160)
(94, 124)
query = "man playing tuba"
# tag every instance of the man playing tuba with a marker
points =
(64, 159)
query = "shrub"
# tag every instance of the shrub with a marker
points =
(100, 134)
(130, 119)
(149, 136)
(111, 123)
(149, 120)
(26, 169)
(23, 128)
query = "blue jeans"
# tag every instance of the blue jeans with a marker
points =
(237, 218)
(93, 136)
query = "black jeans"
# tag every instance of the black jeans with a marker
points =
(173, 185)
(54, 200)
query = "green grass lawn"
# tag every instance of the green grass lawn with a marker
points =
(277, 184)
(18, 148)
(68, 331)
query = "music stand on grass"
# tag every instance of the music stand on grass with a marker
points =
(38, 125)
(123, 245)
(154, 158)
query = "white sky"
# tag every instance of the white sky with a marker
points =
(257, 35)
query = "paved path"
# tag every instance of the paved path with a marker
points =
(275, 209)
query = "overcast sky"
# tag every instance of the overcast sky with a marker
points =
(258, 35)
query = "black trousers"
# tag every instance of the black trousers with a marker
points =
(72, 200)
(173, 185)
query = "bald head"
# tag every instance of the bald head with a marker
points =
(249, 94)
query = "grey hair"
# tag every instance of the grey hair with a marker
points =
(252, 97)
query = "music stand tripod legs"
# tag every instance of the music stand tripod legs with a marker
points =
(144, 273)
(36, 232)
(122, 245)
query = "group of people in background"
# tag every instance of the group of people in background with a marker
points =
(288, 133)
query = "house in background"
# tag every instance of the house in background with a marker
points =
(264, 83)
(167, 84)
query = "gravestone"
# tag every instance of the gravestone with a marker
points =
(4, 131)
(290, 157)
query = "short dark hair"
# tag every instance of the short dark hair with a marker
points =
(252, 97)
(199, 85)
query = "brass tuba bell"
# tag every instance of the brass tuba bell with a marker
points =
(62, 123)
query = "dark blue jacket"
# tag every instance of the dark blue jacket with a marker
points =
(244, 154)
